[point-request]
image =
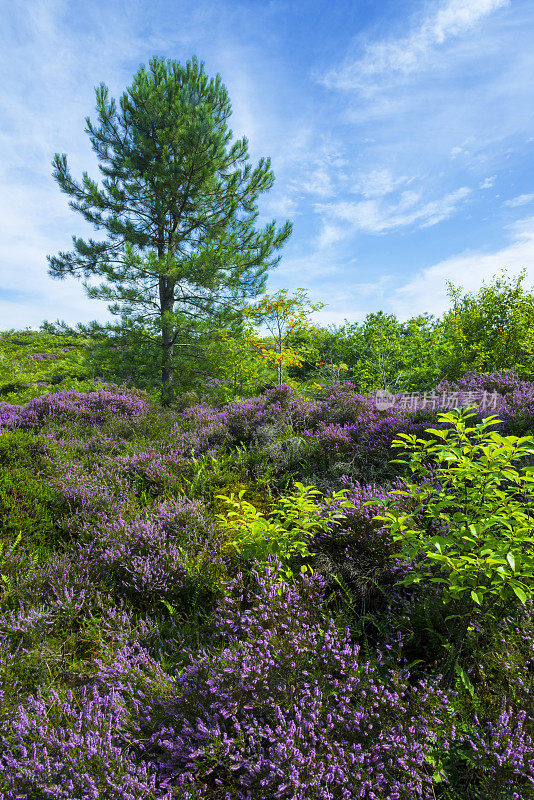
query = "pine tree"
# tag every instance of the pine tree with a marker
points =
(177, 202)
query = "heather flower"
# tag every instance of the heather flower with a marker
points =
(69, 747)
(44, 357)
(92, 407)
(286, 708)
(164, 553)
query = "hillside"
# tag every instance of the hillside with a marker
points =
(182, 616)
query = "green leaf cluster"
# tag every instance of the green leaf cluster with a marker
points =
(287, 532)
(470, 523)
(491, 329)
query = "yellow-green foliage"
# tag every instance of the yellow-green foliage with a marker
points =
(287, 532)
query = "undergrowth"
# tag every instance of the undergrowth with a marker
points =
(183, 615)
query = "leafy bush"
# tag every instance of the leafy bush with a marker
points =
(470, 520)
(287, 532)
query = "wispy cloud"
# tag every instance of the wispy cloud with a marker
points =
(405, 55)
(376, 215)
(487, 183)
(429, 107)
(282, 205)
(521, 200)
(379, 182)
(446, 86)
(317, 163)
(350, 302)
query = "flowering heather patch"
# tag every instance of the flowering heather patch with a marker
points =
(504, 383)
(299, 411)
(9, 415)
(91, 490)
(345, 428)
(44, 357)
(74, 747)
(92, 407)
(332, 439)
(515, 397)
(242, 419)
(363, 446)
(62, 579)
(344, 404)
(155, 465)
(286, 708)
(167, 684)
(505, 750)
(501, 393)
(280, 706)
(208, 435)
(164, 553)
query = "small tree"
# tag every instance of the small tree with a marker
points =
(236, 362)
(282, 316)
(490, 330)
(468, 526)
(177, 203)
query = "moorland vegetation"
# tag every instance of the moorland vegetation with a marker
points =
(244, 556)
(260, 597)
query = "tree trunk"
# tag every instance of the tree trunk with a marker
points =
(166, 298)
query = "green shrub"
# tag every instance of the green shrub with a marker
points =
(469, 528)
(26, 507)
(288, 530)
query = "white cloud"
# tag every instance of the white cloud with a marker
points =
(349, 302)
(379, 182)
(330, 235)
(281, 206)
(444, 99)
(428, 96)
(317, 164)
(405, 55)
(318, 182)
(521, 200)
(375, 215)
(327, 281)
(487, 183)
(307, 270)
(375, 289)
(27, 294)
(427, 290)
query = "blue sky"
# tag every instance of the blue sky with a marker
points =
(401, 134)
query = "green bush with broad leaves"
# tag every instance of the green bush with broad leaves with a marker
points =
(470, 525)
(288, 530)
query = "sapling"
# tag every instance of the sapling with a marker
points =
(464, 520)
(287, 531)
